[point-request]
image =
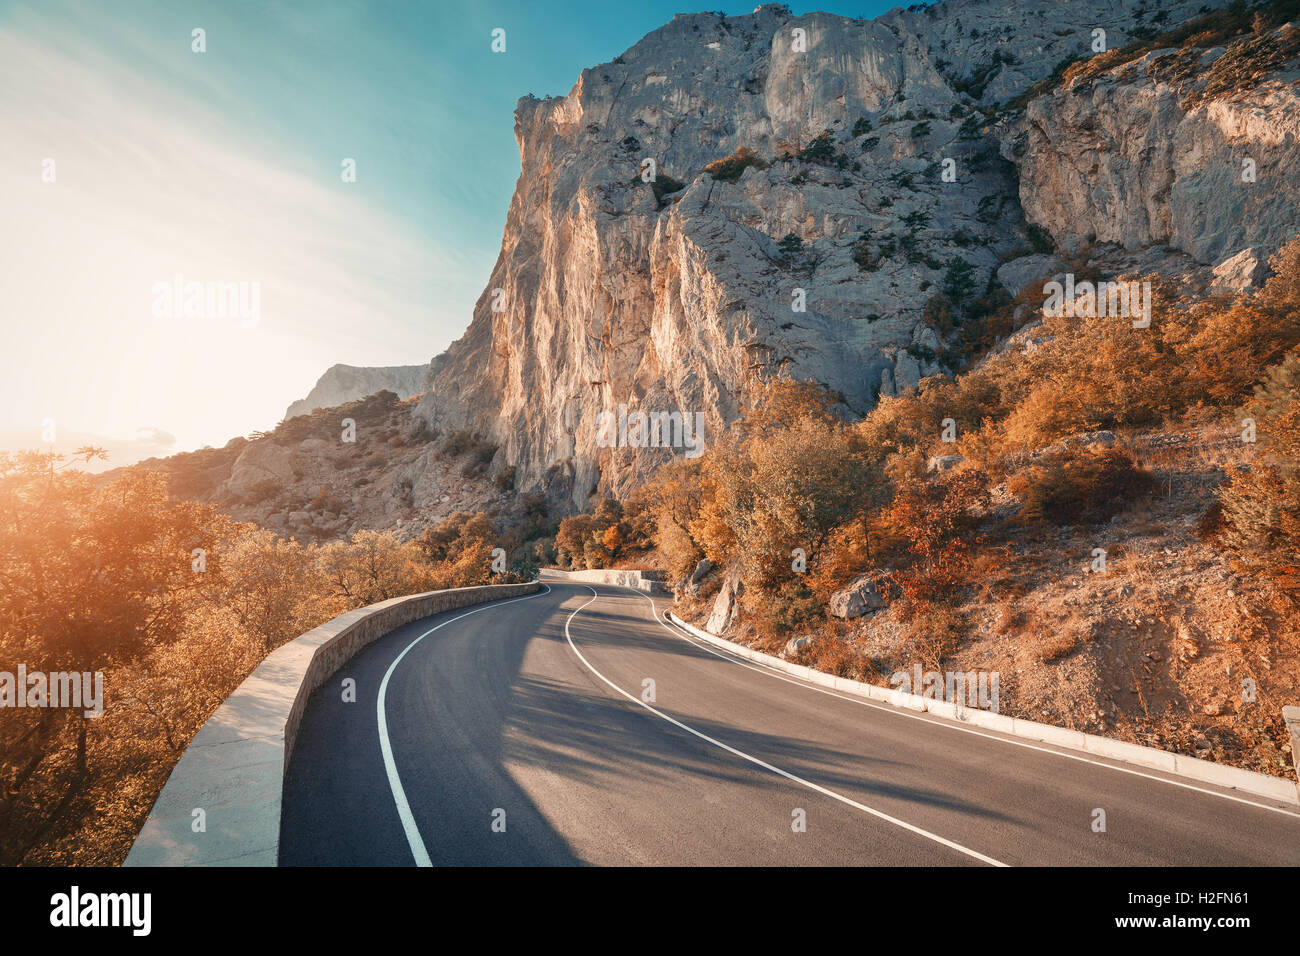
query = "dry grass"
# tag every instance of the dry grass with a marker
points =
(1048, 644)
(833, 654)
(938, 630)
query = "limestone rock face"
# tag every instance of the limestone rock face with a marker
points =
(613, 294)
(261, 464)
(347, 383)
(1176, 148)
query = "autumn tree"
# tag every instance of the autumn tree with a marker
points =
(374, 566)
(270, 584)
(92, 578)
(1261, 506)
(934, 518)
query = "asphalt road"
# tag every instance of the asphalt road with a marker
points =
(516, 733)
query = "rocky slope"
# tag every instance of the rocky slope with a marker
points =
(1152, 652)
(316, 477)
(677, 295)
(347, 383)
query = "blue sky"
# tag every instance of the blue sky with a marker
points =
(225, 166)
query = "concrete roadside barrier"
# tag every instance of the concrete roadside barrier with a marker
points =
(231, 776)
(650, 582)
(1205, 771)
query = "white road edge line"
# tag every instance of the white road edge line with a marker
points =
(935, 721)
(762, 763)
(413, 837)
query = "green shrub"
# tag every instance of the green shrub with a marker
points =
(959, 281)
(821, 150)
(791, 244)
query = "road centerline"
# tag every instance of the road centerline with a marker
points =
(818, 788)
(948, 725)
(413, 838)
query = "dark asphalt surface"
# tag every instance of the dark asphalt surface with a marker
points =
(497, 711)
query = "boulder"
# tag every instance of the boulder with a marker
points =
(907, 372)
(724, 607)
(943, 462)
(795, 645)
(1017, 274)
(1240, 272)
(860, 597)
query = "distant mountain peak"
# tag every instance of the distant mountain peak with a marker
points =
(347, 383)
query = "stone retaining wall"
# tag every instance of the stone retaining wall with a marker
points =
(233, 769)
(651, 582)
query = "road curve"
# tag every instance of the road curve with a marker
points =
(523, 733)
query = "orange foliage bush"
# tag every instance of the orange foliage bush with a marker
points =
(1259, 516)
(936, 518)
(1076, 485)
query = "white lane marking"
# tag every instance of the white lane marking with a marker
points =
(386, 748)
(764, 764)
(936, 722)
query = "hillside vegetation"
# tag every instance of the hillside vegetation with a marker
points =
(1173, 449)
(175, 603)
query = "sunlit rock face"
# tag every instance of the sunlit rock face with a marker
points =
(1193, 149)
(347, 383)
(681, 296)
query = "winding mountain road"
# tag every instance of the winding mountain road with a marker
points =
(523, 732)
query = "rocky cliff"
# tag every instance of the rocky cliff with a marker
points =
(1193, 148)
(811, 181)
(347, 383)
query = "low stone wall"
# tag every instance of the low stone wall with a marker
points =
(1291, 716)
(651, 582)
(233, 769)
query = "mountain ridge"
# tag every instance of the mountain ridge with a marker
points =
(676, 295)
